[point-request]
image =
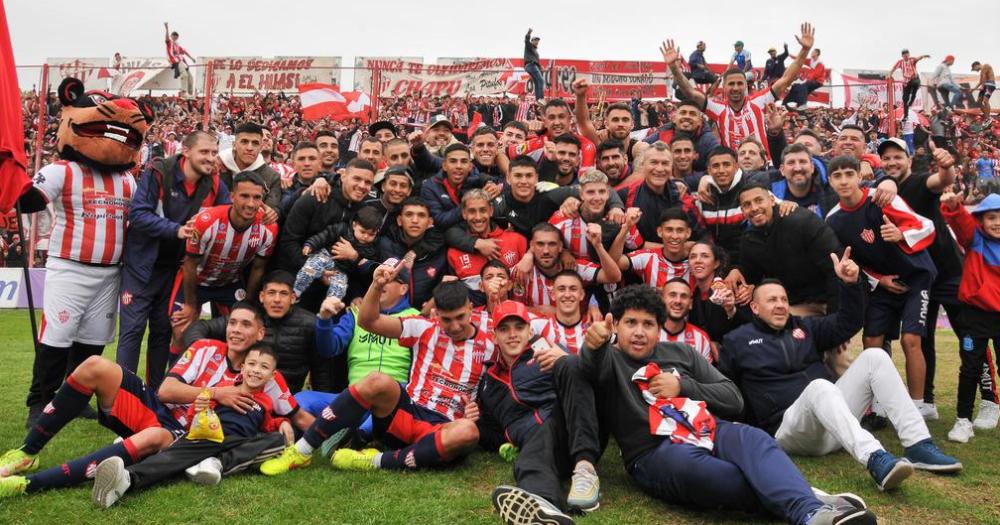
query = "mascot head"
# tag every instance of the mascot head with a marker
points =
(100, 129)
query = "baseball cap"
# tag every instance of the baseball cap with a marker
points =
(394, 170)
(738, 43)
(380, 125)
(439, 119)
(990, 203)
(894, 141)
(536, 37)
(509, 309)
(404, 273)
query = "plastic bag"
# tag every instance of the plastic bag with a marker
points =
(206, 424)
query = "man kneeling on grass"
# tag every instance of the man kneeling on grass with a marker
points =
(241, 436)
(429, 422)
(546, 408)
(661, 404)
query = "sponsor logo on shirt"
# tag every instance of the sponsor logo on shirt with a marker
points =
(756, 342)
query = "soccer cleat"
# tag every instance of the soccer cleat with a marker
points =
(12, 486)
(290, 459)
(584, 489)
(926, 456)
(509, 452)
(989, 414)
(520, 507)
(332, 443)
(17, 461)
(350, 459)
(207, 472)
(842, 515)
(962, 431)
(111, 481)
(928, 411)
(844, 498)
(887, 470)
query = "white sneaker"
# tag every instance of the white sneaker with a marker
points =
(928, 411)
(585, 489)
(962, 431)
(989, 414)
(207, 472)
(111, 481)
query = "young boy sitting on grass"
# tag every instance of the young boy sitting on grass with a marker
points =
(241, 431)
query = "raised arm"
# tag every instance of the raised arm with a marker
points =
(672, 56)
(581, 87)
(369, 316)
(945, 177)
(806, 39)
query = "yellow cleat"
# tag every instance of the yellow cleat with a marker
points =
(349, 459)
(12, 486)
(17, 461)
(290, 459)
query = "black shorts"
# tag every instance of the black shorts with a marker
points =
(987, 91)
(887, 311)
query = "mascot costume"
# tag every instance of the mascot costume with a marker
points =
(90, 190)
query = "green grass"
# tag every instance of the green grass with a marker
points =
(461, 496)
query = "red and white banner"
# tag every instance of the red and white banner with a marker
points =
(871, 93)
(248, 75)
(87, 70)
(326, 100)
(138, 73)
(365, 65)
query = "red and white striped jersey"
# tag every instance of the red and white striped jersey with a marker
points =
(171, 148)
(574, 234)
(908, 66)
(538, 290)
(655, 270)
(284, 170)
(570, 337)
(175, 53)
(91, 211)
(467, 266)
(224, 251)
(445, 374)
(206, 364)
(735, 126)
(692, 336)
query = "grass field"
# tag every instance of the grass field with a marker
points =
(461, 495)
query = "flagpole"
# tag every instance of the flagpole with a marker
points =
(43, 120)
(27, 274)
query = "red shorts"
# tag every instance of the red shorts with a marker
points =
(410, 422)
(137, 408)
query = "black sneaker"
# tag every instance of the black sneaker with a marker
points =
(873, 422)
(520, 507)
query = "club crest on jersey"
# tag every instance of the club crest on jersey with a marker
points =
(431, 272)
(205, 216)
(185, 358)
(49, 409)
(868, 236)
(240, 294)
(255, 239)
(799, 334)
(63, 316)
(126, 298)
(217, 358)
(328, 414)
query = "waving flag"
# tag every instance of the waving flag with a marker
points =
(326, 100)
(13, 162)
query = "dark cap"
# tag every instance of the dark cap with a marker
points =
(380, 125)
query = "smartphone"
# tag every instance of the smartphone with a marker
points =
(538, 343)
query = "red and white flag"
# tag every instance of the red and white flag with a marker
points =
(326, 100)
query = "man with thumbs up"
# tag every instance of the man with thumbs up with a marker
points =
(777, 361)
(922, 191)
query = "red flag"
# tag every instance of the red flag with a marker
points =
(325, 100)
(477, 120)
(14, 179)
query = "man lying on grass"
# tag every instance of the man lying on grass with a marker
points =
(429, 422)
(147, 421)
(241, 430)
(662, 401)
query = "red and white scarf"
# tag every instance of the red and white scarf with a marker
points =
(681, 419)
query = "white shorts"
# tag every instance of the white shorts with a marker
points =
(80, 303)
